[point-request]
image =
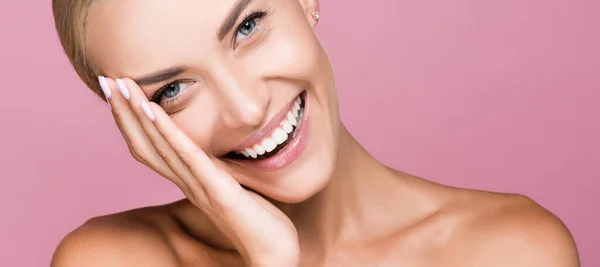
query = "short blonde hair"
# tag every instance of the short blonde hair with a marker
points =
(70, 19)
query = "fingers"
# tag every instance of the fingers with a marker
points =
(131, 129)
(179, 152)
(154, 139)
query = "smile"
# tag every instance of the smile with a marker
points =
(279, 143)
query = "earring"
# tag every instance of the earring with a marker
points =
(316, 15)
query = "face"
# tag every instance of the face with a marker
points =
(229, 73)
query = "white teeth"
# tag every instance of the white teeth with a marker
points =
(292, 119)
(269, 144)
(287, 127)
(259, 149)
(301, 114)
(251, 152)
(295, 132)
(280, 136)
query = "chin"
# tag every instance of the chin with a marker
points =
(303, 181)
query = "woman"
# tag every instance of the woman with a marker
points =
(234, 101)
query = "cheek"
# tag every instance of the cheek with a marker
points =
(198, 121)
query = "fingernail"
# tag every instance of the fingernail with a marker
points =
(123, 89)
(104, 86)
(147, 110)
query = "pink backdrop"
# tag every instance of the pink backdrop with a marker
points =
(495, 95)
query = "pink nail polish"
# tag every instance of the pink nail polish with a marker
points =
(104, 86)
(123, 89)
(147, 110)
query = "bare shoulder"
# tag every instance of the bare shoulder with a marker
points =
(509, 230)
(122, 239)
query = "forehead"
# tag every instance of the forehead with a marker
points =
(132, 37)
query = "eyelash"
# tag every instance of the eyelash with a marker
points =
(255, 15)
(156, 98)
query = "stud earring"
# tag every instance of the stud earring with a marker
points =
(316, 15)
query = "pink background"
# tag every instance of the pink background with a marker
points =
(494, 95)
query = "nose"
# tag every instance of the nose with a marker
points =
(244, 102)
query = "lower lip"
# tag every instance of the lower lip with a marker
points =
(290, 153)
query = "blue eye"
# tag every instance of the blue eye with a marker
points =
(246, 28)
(249, 26)
(170, 92)
(173, 90)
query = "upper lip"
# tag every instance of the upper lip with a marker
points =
(267, 130)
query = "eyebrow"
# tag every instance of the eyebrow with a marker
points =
(227, 25)
(232, 18)
(159, 76)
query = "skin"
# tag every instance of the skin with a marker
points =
(333, 206)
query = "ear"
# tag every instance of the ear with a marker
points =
(310, 7)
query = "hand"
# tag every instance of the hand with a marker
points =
(261, 233)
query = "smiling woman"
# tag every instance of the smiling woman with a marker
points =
(235, 102)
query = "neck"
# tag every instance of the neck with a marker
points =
(364, 201)
(355, 207)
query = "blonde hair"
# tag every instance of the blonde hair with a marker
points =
(70, 19)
